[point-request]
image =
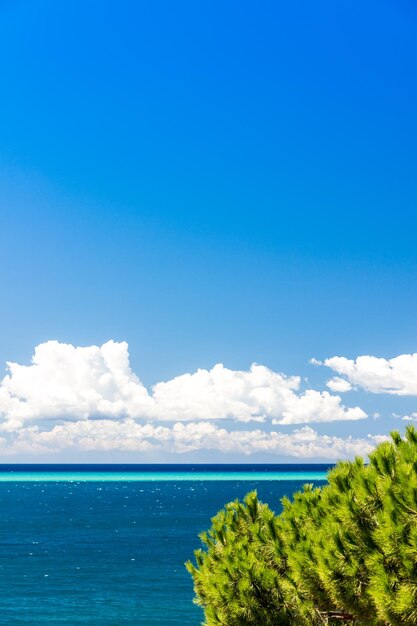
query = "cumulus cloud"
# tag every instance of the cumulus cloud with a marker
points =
(68, 381)
(83, 383)
(129, 436)
(397, 376)
(317, 406)
(338, 385)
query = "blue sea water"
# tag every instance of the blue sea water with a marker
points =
(106, 545)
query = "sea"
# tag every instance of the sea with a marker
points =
(105, 545)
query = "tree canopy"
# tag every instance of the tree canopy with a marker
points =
(349, 546)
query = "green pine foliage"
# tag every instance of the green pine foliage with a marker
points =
(242, 578)
(350, 546)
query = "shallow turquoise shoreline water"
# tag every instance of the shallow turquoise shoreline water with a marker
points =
(158, 476)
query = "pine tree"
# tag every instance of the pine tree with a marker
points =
(241, 577)
(349, 546)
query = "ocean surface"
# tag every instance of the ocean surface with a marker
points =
(105, 545)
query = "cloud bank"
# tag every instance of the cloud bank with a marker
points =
(397, 376)
(86, 383)
(129, 436)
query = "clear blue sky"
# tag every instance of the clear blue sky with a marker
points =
(212, 182)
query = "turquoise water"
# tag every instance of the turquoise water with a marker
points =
(107, 548)
(158, 476)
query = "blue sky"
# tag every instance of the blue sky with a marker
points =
(212, 183)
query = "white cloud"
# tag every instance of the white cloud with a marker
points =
(65, 381)
(223, 393)
(397, 376)
(128, 435)
(410, 418)
(317, 406)
(81, 383)
(338, 385)
(314, 361)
